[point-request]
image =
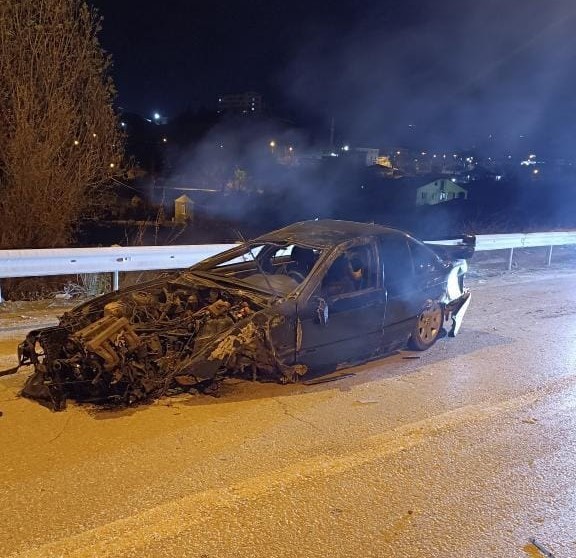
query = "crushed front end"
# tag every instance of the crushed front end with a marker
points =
(141, 344)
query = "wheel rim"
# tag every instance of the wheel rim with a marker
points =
(429, 323)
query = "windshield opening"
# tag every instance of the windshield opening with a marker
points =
(271, 266)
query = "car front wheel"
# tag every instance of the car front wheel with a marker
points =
(427, 327)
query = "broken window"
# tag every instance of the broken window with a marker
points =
(352, 271)
(423, 259)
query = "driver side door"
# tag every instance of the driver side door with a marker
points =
(354, 313)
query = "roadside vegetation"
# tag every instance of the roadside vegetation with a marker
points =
(61, 146)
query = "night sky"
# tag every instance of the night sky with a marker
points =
(449, 72)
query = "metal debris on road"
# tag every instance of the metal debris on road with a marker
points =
(541, 548)
(326, 380)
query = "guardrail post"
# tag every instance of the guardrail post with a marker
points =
(550, 255)
(510, 259)
(115, 280)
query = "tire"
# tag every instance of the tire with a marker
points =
(427, 327)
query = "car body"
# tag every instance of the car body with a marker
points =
(309, 297)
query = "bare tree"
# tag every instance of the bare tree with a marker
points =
(60, 143)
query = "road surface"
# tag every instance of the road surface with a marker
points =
(466, 450)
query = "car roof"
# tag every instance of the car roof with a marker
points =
(325, 232)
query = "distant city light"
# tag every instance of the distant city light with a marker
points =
(290, 149)
(346, 148)
(165, 140)
(453, 179)
(272, 144)
(94, 135)
(112, 165)
(76, 142)
(536, 171)
(397, 152)
(156, 116)
(123, 124)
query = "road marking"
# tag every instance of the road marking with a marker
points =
(170, 519)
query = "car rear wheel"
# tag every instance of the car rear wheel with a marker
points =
(427, 327)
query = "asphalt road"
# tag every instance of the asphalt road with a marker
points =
(467, 450)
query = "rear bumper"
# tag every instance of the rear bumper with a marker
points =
(455, 311)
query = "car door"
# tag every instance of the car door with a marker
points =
(412, 275)
(343, 324)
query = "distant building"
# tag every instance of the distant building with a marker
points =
(183, 209)
(439, 191)
(370, 155)
(384, 161)
(365, 156)
(249, 104)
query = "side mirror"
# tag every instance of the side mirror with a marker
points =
(321, 312)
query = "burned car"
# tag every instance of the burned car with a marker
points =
(308, 297)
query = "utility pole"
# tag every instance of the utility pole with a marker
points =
(332, 135)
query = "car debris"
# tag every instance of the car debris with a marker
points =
(326, 380)
(310, 296)
(541, 548)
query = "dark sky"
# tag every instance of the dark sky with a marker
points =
(451, 72)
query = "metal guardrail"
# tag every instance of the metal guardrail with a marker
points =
(528, 240)
(487, 242)
(71, 261)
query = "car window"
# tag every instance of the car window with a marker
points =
(352, 271)
(397, 261)
(423, 258)
(247, 256)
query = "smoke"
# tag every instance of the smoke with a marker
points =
(451, 71)
(495, 75)
(268, 171)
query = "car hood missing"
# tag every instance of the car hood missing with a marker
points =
(166, 336)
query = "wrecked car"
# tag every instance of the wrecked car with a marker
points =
(309, 297)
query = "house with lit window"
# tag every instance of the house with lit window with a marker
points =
(438, 191)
